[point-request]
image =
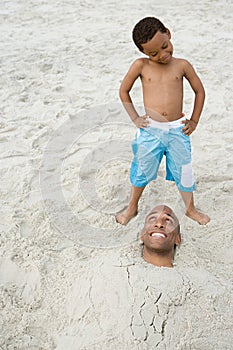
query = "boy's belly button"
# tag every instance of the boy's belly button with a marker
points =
(164, 113)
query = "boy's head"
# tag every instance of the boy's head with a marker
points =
(145, 29)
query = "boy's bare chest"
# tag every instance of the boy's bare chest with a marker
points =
(162, 75)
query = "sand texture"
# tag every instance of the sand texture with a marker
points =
(71, 278)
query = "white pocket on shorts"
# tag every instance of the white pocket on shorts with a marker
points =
(187, 177)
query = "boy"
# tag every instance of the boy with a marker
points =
(163, 130)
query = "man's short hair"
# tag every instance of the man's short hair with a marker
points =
(145, 29)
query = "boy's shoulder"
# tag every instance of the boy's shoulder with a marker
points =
(182, 61)
(140, 62)
(182, 65)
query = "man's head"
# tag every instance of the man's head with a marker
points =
(153, 39)
(160, 235)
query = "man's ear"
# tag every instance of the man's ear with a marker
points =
(168, 33)
(178, 239)
(141, 237)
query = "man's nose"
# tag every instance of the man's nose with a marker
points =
(159, 222)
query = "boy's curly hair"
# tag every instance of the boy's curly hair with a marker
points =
(145, 29)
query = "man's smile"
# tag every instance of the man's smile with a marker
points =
(157, 234)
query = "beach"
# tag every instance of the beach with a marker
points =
(70, 276)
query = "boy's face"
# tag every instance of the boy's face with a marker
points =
(159, 48)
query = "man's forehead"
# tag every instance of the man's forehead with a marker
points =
(162, 209)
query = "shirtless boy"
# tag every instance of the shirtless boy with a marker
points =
(163, 130)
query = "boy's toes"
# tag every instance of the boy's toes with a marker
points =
(196, 215)
(123, 218)
(203, 219)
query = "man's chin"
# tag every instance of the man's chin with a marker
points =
(157, 249)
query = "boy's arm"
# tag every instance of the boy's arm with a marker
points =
(197, 86)
(126, 85)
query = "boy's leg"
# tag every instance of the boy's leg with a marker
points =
(191, 211)
(132, 209)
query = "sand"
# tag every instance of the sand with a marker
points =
(70, 277)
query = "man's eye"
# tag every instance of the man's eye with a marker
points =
(169, 220)
(154, 54)
(152, 218)
(164, 47)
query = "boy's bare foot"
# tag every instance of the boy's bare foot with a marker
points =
(125, 216)
(196, 215)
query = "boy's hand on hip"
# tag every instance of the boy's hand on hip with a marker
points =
(141, 122)
(189, 127)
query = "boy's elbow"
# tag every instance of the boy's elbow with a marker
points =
(202, 90)
(203, 94)
(120, 92)
(123, 94)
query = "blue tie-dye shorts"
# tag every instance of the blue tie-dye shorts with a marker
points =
(155, 141)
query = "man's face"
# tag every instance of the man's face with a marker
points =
(161, 232)
(159, 48)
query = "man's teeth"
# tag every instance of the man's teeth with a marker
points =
(158, 234)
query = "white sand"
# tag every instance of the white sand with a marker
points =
(70, 277)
